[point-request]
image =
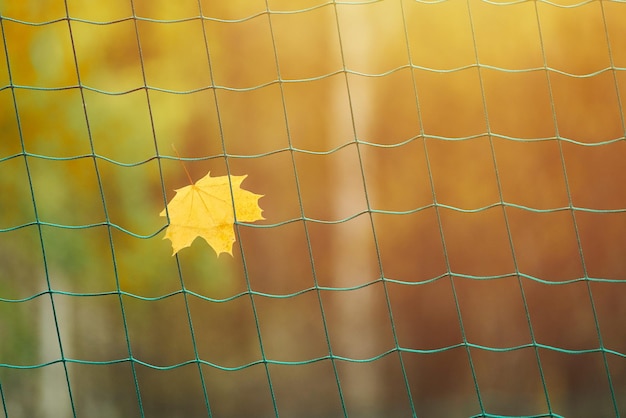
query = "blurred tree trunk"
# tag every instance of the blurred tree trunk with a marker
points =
(53, 399)
(356, 313)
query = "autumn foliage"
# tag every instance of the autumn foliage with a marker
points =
(205, 209)
(456, 167)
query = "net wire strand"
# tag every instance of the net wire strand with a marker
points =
(573, 214)
(370, 211)
(108, 227)
(264, 360)
(505, 215)
(311, 259)
(41, 240)
(465, 343)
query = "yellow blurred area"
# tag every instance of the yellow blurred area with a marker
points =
(456, 168)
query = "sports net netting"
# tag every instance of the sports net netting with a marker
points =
(445, 208)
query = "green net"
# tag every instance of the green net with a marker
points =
(443, 190)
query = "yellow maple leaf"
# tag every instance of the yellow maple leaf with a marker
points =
(205, 209)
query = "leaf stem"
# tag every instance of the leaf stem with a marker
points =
(181, 163)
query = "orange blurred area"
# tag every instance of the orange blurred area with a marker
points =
(444, 202)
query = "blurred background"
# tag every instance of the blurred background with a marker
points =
(441, 239)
